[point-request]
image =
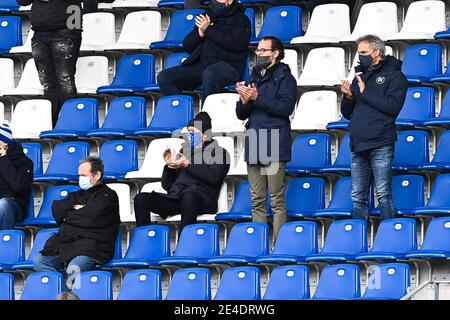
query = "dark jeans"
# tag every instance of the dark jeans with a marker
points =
(90, 6)
(10, 213)
(213, 78)
(190, 205)
(372, 165)
(56, 57)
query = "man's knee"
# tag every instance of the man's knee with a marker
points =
(39, 263)
(5, 205)
(144, 198)
(163, 78)
(190, 198)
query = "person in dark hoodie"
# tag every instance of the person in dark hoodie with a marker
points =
(88, 222)
(192, 178)
(218, 47)
(267, 99)
(372, 102)
(16, 176)
(55, 47)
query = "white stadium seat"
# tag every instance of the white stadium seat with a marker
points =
(99, 29)
(221, 107)
(291, 59)
(124, 194)
(240, 167)
(30, 118)
(26, 48)
(29, 83)
(2, 112)
(228, 144)
(92, 72)
(7, 78)
(135, 3)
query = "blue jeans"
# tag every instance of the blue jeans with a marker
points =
(369, 166)
(10, 213)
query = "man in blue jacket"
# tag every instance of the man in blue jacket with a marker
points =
(372, 102)
(267, 99)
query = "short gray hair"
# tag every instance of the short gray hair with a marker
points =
(96, 165)
(375, 43)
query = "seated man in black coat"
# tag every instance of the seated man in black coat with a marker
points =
(192, 178)
(88, 223)
(218, 45)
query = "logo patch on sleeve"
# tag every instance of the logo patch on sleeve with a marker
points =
(380, 80)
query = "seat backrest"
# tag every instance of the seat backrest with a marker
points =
(242, 198)
(298, 238)
(437, 235)
(387, 281)
(248, 239)
(40, 240)
(66, 158)
(92, 72)
(311, 151)
(239, 283)
(135, 70)
(288, 283)
(181, 23)
(93, 285)
(439, 193)
(149, 243)
(424, 17)
(331, 20)
(10, 5)
(126, 113)
(123, 192)
(78, 114)
(305, 195)
(173, 112)
(250, 13)
(442, 154)
(190, 284)
(419, 104)
(346, 237)
(10, 32)
(54, 193)
(396, 236)
(227, 143)
(175, 59)
(378, 18)
(30, 118)
(34, 152)
(30, 77)
(141, 27)
(339, 281)
(141, 285)
(12, 246)
(221, 107)
(411, 148)
(422, 60)
(43, 286)
(7, 78)
(291, 59)
(154, 162)
(7, 286)
(408, 191)
(445, 106)
(119, 156)
(342, 195)
(198, 240)
(98, 28)
(344, 154)
(283, 22)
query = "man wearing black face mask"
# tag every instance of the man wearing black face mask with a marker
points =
(267, 99)
(218, 45)
(372, 102)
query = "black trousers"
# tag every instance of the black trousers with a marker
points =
(90, 6)
(190, 205)
(56, 56)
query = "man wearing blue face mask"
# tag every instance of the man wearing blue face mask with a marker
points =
(372, 102)
(192, 178)
(88, 223)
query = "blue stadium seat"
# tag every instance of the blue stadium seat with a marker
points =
(181, 23)
(34, 152)
(341, 204)
(198, 242)
(45, 216)
(296, 241)
(283, 22)
(407, 192)
(250, 13)
(442, 34)
(444, 77)
(77, 116)
(288, 283)
(422, 62)
(443, 119)
(394, 239)
(341, 124)
(125, 114)
(310, 153)
(304, 196)
(43, 286)
(439, 202)
(190, 284)
(411, 150)
(418, 107)
(239, 283)
(343, 161)
(39, 243)
(10, 33)
(134, 73)
(436, 243)
(9, 6)
(388, 281)
(141, 285)
(93, 285)
(171, 113)
(148, 245)
(345, 240)
(246, 243)
(119, 157)
(64, 163)
(441, 159)
(12, 248)
(6, 286)
(339, 282)
(172, 60)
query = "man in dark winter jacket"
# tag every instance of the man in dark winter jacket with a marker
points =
(267, 99)
(193, 178)
(16, 176)
(88, 223)
(372, 102)
(218, 47)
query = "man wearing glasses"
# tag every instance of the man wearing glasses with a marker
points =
(267, 99)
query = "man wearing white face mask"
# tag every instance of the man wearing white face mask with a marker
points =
(88, 223)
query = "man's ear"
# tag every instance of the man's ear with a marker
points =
(276, 54)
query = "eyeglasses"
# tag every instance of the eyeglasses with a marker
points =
(262, 50)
